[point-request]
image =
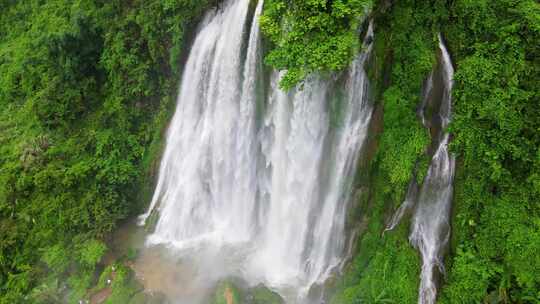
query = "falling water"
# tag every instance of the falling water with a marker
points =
(431, 224)
(430, 231)
(406, 206)
(265, 193)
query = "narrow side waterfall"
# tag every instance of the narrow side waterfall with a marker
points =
(431, 220)
(430, 227)
(255, 184)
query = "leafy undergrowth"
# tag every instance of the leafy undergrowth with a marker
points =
(496, 228)
(86, 88)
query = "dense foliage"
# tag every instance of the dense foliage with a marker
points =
(497, 137)
(311, 35)
(85, 89)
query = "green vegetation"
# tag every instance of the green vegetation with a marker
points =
(496, 237)
(83, 255)
(262, 295)
(124, 286)
(86, 88)
(311, 35)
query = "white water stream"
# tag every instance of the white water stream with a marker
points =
(256, 185)
(430, 227)
(431, 221)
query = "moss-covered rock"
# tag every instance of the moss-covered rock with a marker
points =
(227, 293)
(262, 295)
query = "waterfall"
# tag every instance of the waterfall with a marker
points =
(406, 206)
(196, 172)
(430, 228)
(266, 192)
(431, 220)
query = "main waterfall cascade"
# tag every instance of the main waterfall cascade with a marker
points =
(430, 227)
(258, 196)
